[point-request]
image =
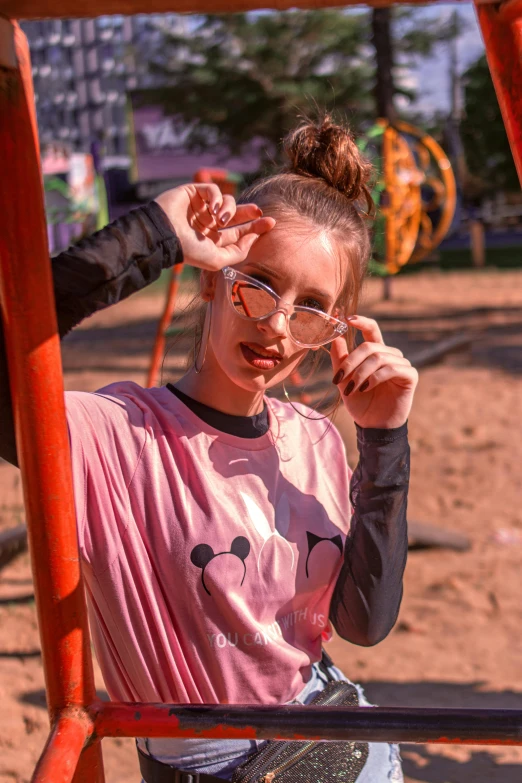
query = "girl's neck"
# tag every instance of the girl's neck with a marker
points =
(213, 388)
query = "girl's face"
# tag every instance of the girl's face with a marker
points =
(298, 262)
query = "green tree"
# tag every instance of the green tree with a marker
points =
(239, 76)
(252, 75)
(486, 147)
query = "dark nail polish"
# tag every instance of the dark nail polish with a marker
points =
(364, 386)
(339, 375)
(225, 218)
(349, 388)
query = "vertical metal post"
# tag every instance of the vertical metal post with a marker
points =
(501, 26)
(59, 759)
(33, 352)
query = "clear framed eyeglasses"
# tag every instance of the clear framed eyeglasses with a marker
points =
(254, 301)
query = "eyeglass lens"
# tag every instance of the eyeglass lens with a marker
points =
(306, 327)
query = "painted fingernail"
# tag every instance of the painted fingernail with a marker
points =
(350, 318)
(339, 375)
(349, 388)
(224, 218)
(216, 209)
(364, 386)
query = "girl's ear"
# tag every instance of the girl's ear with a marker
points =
(207, 285)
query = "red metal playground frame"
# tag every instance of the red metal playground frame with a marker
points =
(78, 720)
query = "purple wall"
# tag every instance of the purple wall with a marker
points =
(160, 149)
(61, 235)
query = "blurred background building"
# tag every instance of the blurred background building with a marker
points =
(82, 70)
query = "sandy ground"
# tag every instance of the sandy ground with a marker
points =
(458, 641)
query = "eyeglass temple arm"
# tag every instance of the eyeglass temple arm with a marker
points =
(325, 349)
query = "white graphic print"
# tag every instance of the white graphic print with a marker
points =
(261, 524)
(267, 633)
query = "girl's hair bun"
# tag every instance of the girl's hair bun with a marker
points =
(328, 151)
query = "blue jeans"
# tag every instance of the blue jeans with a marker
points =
(221, 757)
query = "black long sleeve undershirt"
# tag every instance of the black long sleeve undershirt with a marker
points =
(368, 592)
(126, 256)
(99, 271)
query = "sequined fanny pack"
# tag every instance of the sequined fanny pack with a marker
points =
(309, 762)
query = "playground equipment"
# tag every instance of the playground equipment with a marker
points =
(78, 720)
(419, 178)
(438, 190)
(416, 193)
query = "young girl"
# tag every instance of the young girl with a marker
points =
(221, 531)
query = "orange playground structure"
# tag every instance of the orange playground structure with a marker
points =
(78, 720)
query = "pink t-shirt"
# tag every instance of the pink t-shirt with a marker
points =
(209, 559)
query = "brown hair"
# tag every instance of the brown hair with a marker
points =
(325, 180)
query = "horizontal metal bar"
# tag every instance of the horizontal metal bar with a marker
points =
(376, 724)
(33, 9)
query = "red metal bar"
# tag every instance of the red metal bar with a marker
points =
(502, 32)
(378, 724)
(33, 352)
(219, 177)
(510, 10)
(33, 9)
(166, 318)
(62, 751)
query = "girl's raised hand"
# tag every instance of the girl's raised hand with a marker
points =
(213, 230)
(375, 380)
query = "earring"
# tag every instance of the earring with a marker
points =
(197, 369)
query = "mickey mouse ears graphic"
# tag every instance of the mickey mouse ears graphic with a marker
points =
(313, 540)
(202, 554)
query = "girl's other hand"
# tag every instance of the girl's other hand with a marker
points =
(213, 230)
(376, 382)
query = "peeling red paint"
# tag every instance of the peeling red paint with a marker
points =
(215, 721)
